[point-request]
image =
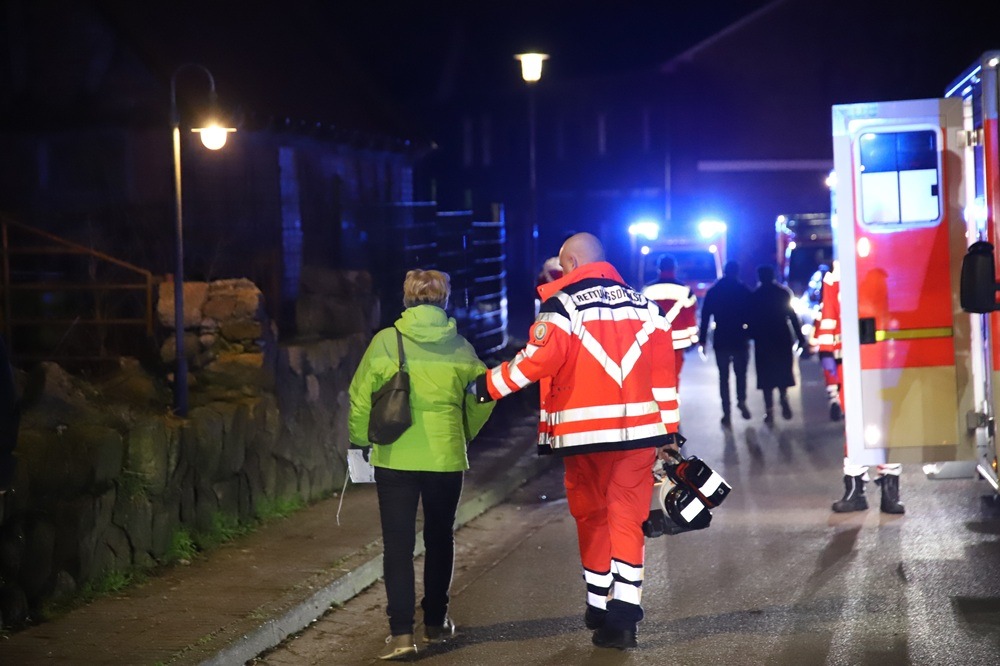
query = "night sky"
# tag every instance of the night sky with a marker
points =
(415, 46)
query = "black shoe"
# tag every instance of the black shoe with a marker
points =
(744, 412)
(594, 617)
(786, 410)
(726, 422)
(620, 639)
(769, 417)
(890, 495)
(854, 496)
(836, 413)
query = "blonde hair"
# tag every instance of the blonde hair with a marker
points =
(426, 288)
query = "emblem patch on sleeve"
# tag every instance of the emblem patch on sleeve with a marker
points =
(540, 334)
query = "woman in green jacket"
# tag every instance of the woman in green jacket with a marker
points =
(428, 461)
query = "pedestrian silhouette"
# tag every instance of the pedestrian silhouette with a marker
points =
(775, 328)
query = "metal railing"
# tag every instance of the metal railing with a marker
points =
(62, 301)
(471, 251)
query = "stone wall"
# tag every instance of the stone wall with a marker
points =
(110, 482)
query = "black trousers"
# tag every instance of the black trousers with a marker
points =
(398, 494)
(739, 357)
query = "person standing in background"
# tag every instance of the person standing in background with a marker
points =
(726, 302)
(775, 328)
(855, 476)
(827, 340)
(680, 307)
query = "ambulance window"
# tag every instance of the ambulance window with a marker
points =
(899, 177)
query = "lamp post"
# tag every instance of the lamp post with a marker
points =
(213, 137)
(531, 72)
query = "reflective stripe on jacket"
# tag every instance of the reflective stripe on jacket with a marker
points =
(827, 332)
(608, 353)
(679, 306)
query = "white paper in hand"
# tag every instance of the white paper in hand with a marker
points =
(358, 466)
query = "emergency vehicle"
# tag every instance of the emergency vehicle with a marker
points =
(917, 184)
(700, 255)
(804, 253)
(804, 243)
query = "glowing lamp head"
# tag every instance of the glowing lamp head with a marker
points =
(213, 136)
(645, 249)
(531, 65)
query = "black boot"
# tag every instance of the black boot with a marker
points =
(890, 494)
(726, 420)
(836, 413)
(786, 409)
(854, 495)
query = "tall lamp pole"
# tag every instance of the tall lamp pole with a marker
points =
(531, 72)
(213, 137)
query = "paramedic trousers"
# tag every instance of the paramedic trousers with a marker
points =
(609, 495)
(398, 494)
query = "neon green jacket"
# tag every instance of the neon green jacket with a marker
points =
(441, 364)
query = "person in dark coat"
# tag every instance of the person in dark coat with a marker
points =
(726, 302)
(775, 328)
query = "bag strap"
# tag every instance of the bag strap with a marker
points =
(399, 343)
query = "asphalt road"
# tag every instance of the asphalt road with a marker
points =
(776, 579)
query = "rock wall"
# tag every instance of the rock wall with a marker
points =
(110, 482)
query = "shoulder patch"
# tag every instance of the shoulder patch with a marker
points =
(540, 333)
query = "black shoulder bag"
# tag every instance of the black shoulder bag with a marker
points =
(390, 414)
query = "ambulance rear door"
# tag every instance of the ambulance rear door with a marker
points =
(900, 237)
(978, 89)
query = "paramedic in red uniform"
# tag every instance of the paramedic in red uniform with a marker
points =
(826, 335)
(680, 307)
(610, 410)
(855, 475)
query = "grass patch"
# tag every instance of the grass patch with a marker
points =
(110, 583)
(271, 509)
(225, 527)
(182, 547)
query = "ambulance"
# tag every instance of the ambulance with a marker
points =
(915, 214)
(700, 255)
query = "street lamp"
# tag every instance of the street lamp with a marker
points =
(531, 72)
(213, 136)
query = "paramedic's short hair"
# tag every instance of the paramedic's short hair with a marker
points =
(732, 268)
(426, 288)
(668, 263)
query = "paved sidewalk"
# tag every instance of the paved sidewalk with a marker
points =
(247, 596)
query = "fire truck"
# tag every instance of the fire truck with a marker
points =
(700, 255)
(916, 216)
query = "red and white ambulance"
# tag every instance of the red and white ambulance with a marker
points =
(917, 184)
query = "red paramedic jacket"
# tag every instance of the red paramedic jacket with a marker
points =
(607, 354)
(827, 332)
